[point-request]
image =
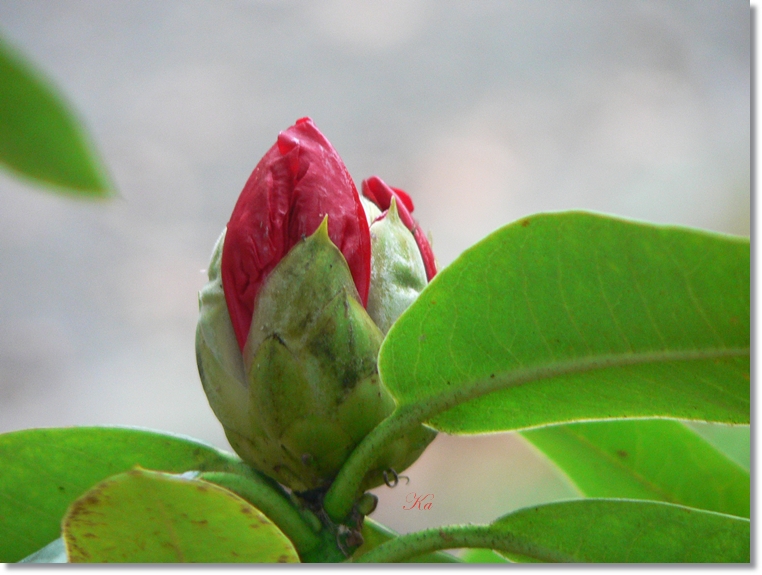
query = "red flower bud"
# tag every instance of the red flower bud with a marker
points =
(298, 181)
(377, 191)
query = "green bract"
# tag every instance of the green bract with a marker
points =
(306, 389)
(397, 274)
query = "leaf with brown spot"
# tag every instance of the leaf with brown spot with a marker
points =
(45, 470)
(148, 516)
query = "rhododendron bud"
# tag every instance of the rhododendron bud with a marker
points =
(286, 350)
(296, 184)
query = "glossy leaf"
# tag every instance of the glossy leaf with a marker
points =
(576, 316)
(152, 517)
(40, 137)
(622, 531)
(646, 459)
(44, 470)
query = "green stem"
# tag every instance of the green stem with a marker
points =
(411, 545)
(345, 488)
(276, 507)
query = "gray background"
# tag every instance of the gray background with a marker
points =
(485, 111)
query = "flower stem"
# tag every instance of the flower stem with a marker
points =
(345, 488)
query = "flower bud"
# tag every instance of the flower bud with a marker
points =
(286, 350)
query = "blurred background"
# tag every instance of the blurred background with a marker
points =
(484, 111)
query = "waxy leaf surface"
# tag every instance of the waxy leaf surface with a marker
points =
(40, 137)
(152, 517)
(653, 459)
(44, 470)
(576, 316)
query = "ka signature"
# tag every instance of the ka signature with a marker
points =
(420, 502)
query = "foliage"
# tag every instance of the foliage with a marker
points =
(591, 335)
(40, 137)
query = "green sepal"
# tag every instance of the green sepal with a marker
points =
(397, 274)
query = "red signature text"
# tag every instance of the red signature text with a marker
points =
(421, 502)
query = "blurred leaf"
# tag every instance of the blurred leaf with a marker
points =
(577, 316)
(151, 517)
(622, 531)
(44, 470)
(647, 459)
(732, 440)
(39, 135)
(374, 534)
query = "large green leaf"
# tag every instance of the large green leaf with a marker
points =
(646, 459)
(152, 517)
(621, 531)
(44, 470)
(591, 531)
(39, 135)
(577, 316)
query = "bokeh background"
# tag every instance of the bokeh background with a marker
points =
(485, 111)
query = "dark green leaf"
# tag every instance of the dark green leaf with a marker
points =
(646, 459)
(39, 135)
(152, 517)
(622, 531)
(44, 470)
(576, 316)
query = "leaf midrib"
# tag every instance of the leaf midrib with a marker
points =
(431, 405)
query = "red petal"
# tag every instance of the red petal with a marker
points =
(298, 181)
(407, 200)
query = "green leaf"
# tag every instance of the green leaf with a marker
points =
(650, 459)
(44, 470)
(590, 531)
(576, 316)
(152, 517)
(40, 137)
(622, 531)
(482, 556)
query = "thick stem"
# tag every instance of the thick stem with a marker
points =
(345, 488)
(411, 545)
